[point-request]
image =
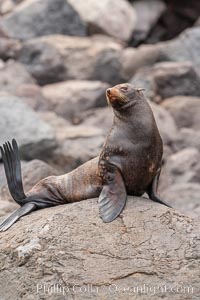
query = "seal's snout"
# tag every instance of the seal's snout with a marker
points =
(116, 97)
(108, 92)
(113, 94)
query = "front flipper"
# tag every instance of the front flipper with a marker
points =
(20, 212)
(113, 196)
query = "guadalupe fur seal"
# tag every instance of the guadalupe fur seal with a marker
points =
(129, 163)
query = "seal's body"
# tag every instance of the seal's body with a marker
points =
(130, 162)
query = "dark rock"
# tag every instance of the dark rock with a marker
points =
(148, 12)
(181, 167)
(17, 120)
(42, 17)
(56, 58)
(168, 79)
(184, 197)
(9, 48)
(69, 245)
(179, 15)
(68, 99)
(115, 18)
(182, 108)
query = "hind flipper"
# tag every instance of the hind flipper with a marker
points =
(20, 212)
(152, 191)
(12, 166)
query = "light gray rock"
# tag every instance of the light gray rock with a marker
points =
(148, 12)
(149, 246)
(34, 18)
(2, 177)
(184, 110)
(68, 99)
(9, 48)
(32, 95)
(184, 197)
(115, 18)
(73, 152)
(13, 75)
(98, 117)
(132, 59)
(17, 120)
(56, 58)
(185, 47)
(197, 23)
(166, 124)
(76, 144)
(6, 6)
(168, 79)
(32, 172)
(188, 137)
(181, 167)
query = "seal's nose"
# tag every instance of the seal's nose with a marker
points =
(108, 91)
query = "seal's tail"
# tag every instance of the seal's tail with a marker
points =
(12, 166)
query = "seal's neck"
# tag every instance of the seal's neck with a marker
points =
(125, 111)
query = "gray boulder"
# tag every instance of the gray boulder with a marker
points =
(17, 120)
(168, 79)
(57, 58)
(6, 6)
(99, 117)
(188, 137)
(115, 18)
(68, 99)
(2, 176)
(185, 111)
(34, 18)
(9, 48)
(32, 95)
(184, 197)
(166, 124)
(132, 59)
(76, 144)
(181, 167)
(149, 250)
(13, 75)
(185, 47)
(148, 12)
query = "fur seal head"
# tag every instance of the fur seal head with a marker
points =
(122, 96)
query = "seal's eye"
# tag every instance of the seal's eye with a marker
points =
(123, 88)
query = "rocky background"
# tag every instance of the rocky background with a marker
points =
(57, 58)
